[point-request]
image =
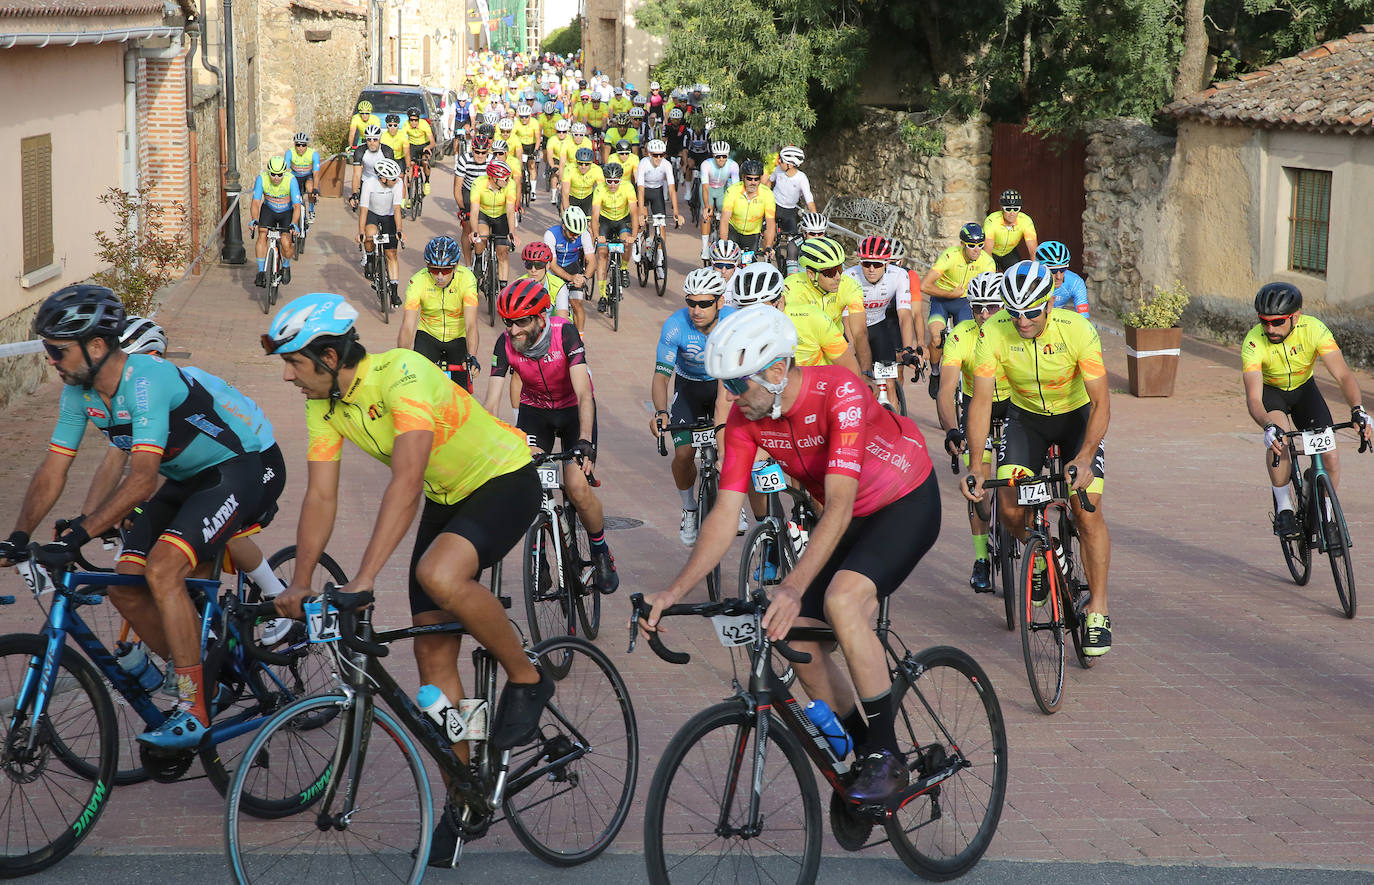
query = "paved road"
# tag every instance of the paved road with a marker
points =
(1229, 727)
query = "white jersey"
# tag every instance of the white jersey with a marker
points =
(790, 190)
(719, 177)
(893, 285)
(380, 199)
(649, 176)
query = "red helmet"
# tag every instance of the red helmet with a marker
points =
(875, 249)
(522, 298)
(536, 251)
(498, 172)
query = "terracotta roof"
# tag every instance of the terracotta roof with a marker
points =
(331, 7)
(54, 8)
(1329, 88)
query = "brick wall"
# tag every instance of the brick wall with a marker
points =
(164, 142)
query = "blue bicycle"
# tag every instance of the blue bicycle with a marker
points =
(59, 731)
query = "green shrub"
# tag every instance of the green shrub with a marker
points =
(142, 255)
(1161, 310)
(924, 140)
(331, 135)
(561, 41)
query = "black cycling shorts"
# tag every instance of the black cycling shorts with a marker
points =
(543, 426)
(387, 225)
(694, 402)
(1005, 261)
(451, 356)
(885, 339)
(269, 217)
(656, 200)
(583, 203)
(1028, 437)
(273, 484)
(1304, 403)
(611, 228)
(496, 227)
(199, 515)
(746, 242)
(493, 519)
(786, 219)
(884, 546)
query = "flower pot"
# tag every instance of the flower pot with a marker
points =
(330, 179)
(1152, 360)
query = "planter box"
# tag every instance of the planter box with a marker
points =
(1152, 360)
(331, 177)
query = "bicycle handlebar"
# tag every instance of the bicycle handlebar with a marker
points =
(1290, 434)
(1058, 477)
(248, 614)
(348, 604)
(641, 609)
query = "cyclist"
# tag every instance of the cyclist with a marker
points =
(639, 126)
(554, 151)
(577, 140)
(725, 258)
(503, 151)
(581, 179)
(870, 469)
(556, 400)
(495, 197)
(171, 425)
(1277, 361)
(628, 159)
(276, 205)
(400, 147)
(440, 319)
(791, 189)
(573, 253)
(305, 165)
(419, 142)
(620, 131)
(747, 210)
(717, 176)
(820, 340)
(360, 123)
(696, 395)
(466, 170)
(985, 299)
(1059, 396)
(892, 326)
(596, 114)
(1069, 289)
(946, 283)
(821, 282)
(527, 134)
(462, 116)
(365, 159)
(537, 256)
(615, 215)
(381, 201)
(1006, 229)
(480, 492)
(676, 134)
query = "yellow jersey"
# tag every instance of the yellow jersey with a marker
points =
(820, 341)
(557, 146)
(396, 141)
(573, 145)
(628, 134)
(548, 124)
(578, 111)
(746, 215)
(1045, 374)
(1289, 363)
(441, 309)
(849, 298)
(400, 391)
(628, 162)
(1006, 238)
(360, 123)
(552, 284)
(526, 133)
(621, 105)
(582, 184)
(492, 202)
(614, 205)
(597, 115)
(955, 270)
(959, 347)
(418, 134)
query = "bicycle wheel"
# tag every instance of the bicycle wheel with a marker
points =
(948, 707)
(489, 272)
(546, 600)
(1006, 568)
(709, 761)
(384, 287)
(382, 837)
(1297, 552)
(49, 807)
(762, 565)
(1042, 634)
(587, 599)
(706, 499)
(642, 266)
(1337, 546)
(573, 812)
(660, 256)
(615, 299)
(267, 289)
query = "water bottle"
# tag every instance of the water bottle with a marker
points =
(1061, 558)
(828, 723)
(797, 536)
(436, 705)
(132, 659)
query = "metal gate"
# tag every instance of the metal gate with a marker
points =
(1048, 171)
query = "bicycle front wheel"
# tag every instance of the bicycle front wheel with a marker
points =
(1042, 631)
(1006, 568)
(706, 499)
(1337, 543)
(377, 825)
(571, 791)
(57, 771)
(948, 708)
(588, 594)
(546, 597)
(696, 825)
(660, 257)
(763, 563)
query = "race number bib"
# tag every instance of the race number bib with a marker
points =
(733, 630)
(1317, 442)
(769, 478)
(703, 439)
(884, 371)
(548, 477)
(1032, 493)
(321, 622)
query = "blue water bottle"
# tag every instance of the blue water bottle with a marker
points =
(824, 718)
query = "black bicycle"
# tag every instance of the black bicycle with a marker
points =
(708, 479)
(614, 279)
(274, 266)
(487, 267)
(734, 800)
(369, 816)
(1002, 547)
(380, 272)
(653, 257)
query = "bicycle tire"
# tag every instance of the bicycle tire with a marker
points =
(752, 576)
(88, 734)
(901, 396)
(717, 736)
(706, 499)
(300, 240)
(587, 600)
(1006, 567)
(1042, 635)
(952, 685)
(297, 849)
(489, 271)
(607, 774)
(642, 266)
(1342, 571)
(615, 298)
(546, 608)
(267, 298)
(1297, 552)
(660, 266)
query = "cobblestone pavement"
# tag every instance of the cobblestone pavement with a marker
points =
(1229, 726)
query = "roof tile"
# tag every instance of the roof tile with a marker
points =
(51, 8)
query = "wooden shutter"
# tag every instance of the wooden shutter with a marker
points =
(1309, 221)
(36, 165)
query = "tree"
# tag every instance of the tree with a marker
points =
(142, 254)
(564, 40)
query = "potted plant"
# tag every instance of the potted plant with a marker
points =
(1153, 340)
(330, 135)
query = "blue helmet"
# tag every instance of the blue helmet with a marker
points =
(303, 319)
(972, 234)
(442, 251)
(1053, 253)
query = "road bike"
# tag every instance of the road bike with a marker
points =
(653, 257)
(1049, 569)
(380, 271)
(415, 188)
(733, 798)
(566, 795)
(1321, 521)
(615, 277)
(307, 219)
(61, 740)
(487, 268)
(273, 266)
(1003, 551)
(775, 543)
(560, 578)
(703, 436)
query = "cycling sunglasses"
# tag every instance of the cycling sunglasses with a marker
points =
(737, 386)
(724, 265)
(536, 265)
(1275, 322)
(1029, 313)
(831, 271)
(57, 351)
(440, 271)
(873, 264)
(752, 177)
(701, 305)
(523, 322)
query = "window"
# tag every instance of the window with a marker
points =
(36, 164)
(1309, 220)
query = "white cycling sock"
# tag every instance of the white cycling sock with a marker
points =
(689, 499)
(266, 580)
(1283, 497)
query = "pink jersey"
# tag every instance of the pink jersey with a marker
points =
(545, 383)
(835, 426)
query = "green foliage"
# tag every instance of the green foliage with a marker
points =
(761, 59)
(924, 140)
(331, 135)
(563, 40)
(142, 255)
(1161, 310)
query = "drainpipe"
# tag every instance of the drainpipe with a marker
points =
(128, 178)
(193, 32)
(399, 78)
(233, 251)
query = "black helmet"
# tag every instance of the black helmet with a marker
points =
(1278, 299)
(751, 167)
(80, 312)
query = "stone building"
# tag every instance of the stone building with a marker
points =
(422, 42)
(613, 44)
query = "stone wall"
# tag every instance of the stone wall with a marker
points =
(306, 80)
(205, 175)
(19, 375)
(936, 195)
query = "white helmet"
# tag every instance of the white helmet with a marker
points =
(561, 126)
(704, 281)
(462, 96)
(372, 131)
(792, 154)
(757, 283)
(986, 288)
(506, 123)
(1025, 284)
(499, 146)
(523, 110)
(654, 85)
(726, 250)
(813, 223)
(142, 335)
(658, 146)
(386, 168)
(747, 342)
(579, 129)
(720, 148)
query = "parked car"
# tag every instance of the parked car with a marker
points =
(397, 98)
(444, 101)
